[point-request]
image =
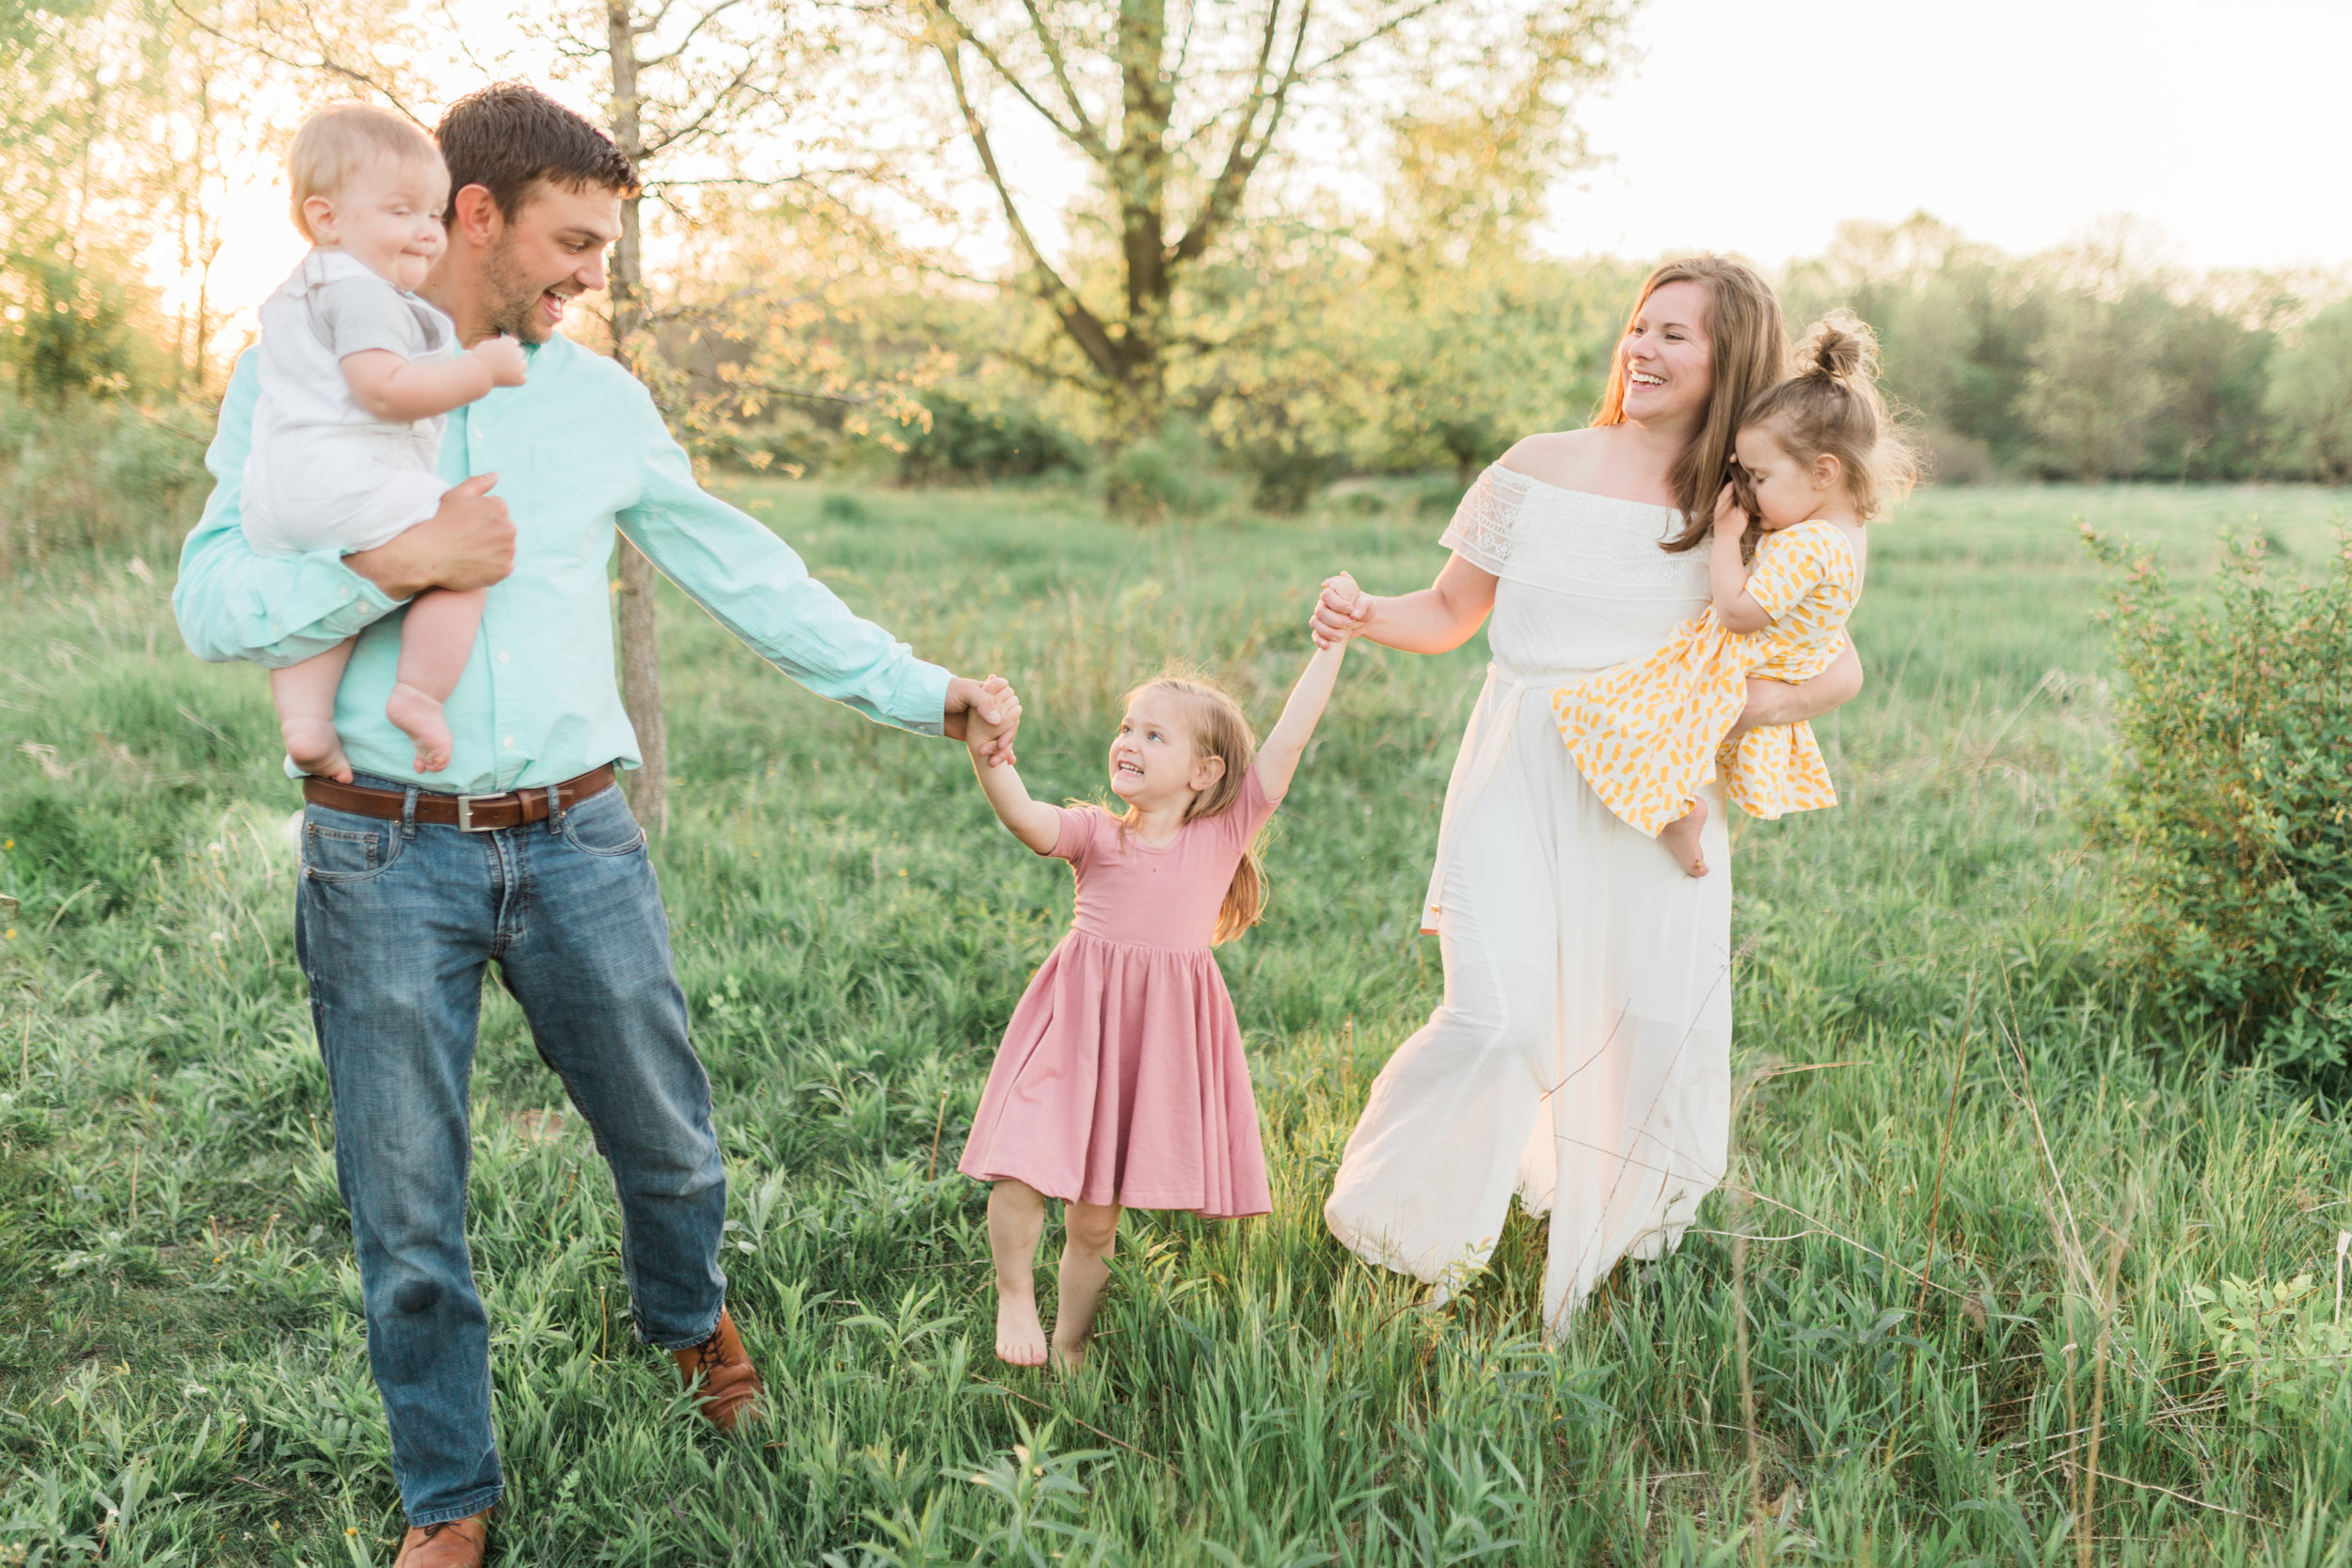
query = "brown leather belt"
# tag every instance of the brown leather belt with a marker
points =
(467, 813)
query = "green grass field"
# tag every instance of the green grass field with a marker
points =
(1980, 1208)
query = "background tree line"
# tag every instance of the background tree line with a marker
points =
(1228, 291)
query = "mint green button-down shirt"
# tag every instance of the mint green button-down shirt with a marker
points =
(580, 449)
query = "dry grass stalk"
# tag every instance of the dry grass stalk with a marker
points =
(2107, 1307)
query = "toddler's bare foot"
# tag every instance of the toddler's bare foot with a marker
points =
(1020, 1337)
(1069, 1359)
(420, 719)
(1681, 838)
(316, 749)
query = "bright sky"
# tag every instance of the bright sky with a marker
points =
(1758, 125)
(2019, 121)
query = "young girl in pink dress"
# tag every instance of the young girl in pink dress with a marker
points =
(1121, 1080)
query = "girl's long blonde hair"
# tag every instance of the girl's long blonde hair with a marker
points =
(1219, 729)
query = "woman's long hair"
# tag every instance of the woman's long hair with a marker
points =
(1748, 347)
(1219, 729)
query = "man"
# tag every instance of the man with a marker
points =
(521, 853)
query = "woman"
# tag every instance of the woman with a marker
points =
(1582, 1055)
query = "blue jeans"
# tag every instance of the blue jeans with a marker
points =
(394, 924)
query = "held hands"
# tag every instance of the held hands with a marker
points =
(1341, 611)
(984, 715)
(503, 359)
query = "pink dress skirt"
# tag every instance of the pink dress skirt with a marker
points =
(1121, 1078)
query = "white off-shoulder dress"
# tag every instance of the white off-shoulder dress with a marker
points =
(1581, 1056)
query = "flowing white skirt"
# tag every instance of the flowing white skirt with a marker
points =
(1581, 1056)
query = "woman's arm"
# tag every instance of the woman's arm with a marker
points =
(1435, 619)
(1773, 702)
(1278, 759)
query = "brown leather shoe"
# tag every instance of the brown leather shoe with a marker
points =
(458, 1543)
(730, 1383)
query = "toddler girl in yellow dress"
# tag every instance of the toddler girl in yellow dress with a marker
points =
(1816, 460)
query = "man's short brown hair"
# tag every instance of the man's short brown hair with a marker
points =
(509, 136)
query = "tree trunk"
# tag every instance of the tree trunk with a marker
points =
(641, 653)
(1139, 171)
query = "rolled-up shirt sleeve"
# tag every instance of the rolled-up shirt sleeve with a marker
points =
(756, 586)
(274, 611)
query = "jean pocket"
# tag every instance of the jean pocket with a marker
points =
(603, 825)
(338, 846)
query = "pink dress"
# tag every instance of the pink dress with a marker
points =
(1121, 1079)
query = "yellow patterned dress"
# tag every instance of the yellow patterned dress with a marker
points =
(1646, 734)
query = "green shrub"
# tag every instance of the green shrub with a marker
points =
(97, 474)
(2232, 802)
(1171, 474)
(966, 443)
(1285, 473)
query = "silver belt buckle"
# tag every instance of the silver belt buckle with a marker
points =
(465, 814)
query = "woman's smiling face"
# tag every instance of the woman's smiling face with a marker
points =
(1669, 367)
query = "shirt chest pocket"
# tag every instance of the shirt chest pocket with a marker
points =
(573, 498)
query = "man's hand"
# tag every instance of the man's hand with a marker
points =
(470, 542)
(986, 714)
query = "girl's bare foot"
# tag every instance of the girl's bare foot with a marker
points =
(420, 719)
(1681, 837)
(316, 749)
(1020, 1337)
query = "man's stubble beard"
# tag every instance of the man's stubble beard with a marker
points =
(513, 301)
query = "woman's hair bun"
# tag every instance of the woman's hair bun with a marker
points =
(1840, 347)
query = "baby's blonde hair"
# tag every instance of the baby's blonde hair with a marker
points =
(1219, 729)
(344, 140)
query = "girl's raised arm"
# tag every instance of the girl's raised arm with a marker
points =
(1278, 759)
(1033, 822)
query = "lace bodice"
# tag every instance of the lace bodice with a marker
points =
(1585, 584)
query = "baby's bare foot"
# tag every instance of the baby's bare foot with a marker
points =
(1069, 1359)
(420, 719)
(1020, 1337)
(316, 749)
(1681, 838)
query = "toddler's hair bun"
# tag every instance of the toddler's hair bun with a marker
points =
(1840, 347)
(1830, 405)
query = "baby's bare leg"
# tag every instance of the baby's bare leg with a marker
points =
(1681, 836)
(1016, 1219)
(436, 640)
(304, 695)
(1090, 1232)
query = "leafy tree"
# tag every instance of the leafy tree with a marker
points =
(2095, 390)
(1178, 108)
(710, 97)
(2310, 394)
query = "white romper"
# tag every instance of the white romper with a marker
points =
(1581, 1056)
(324, 471)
